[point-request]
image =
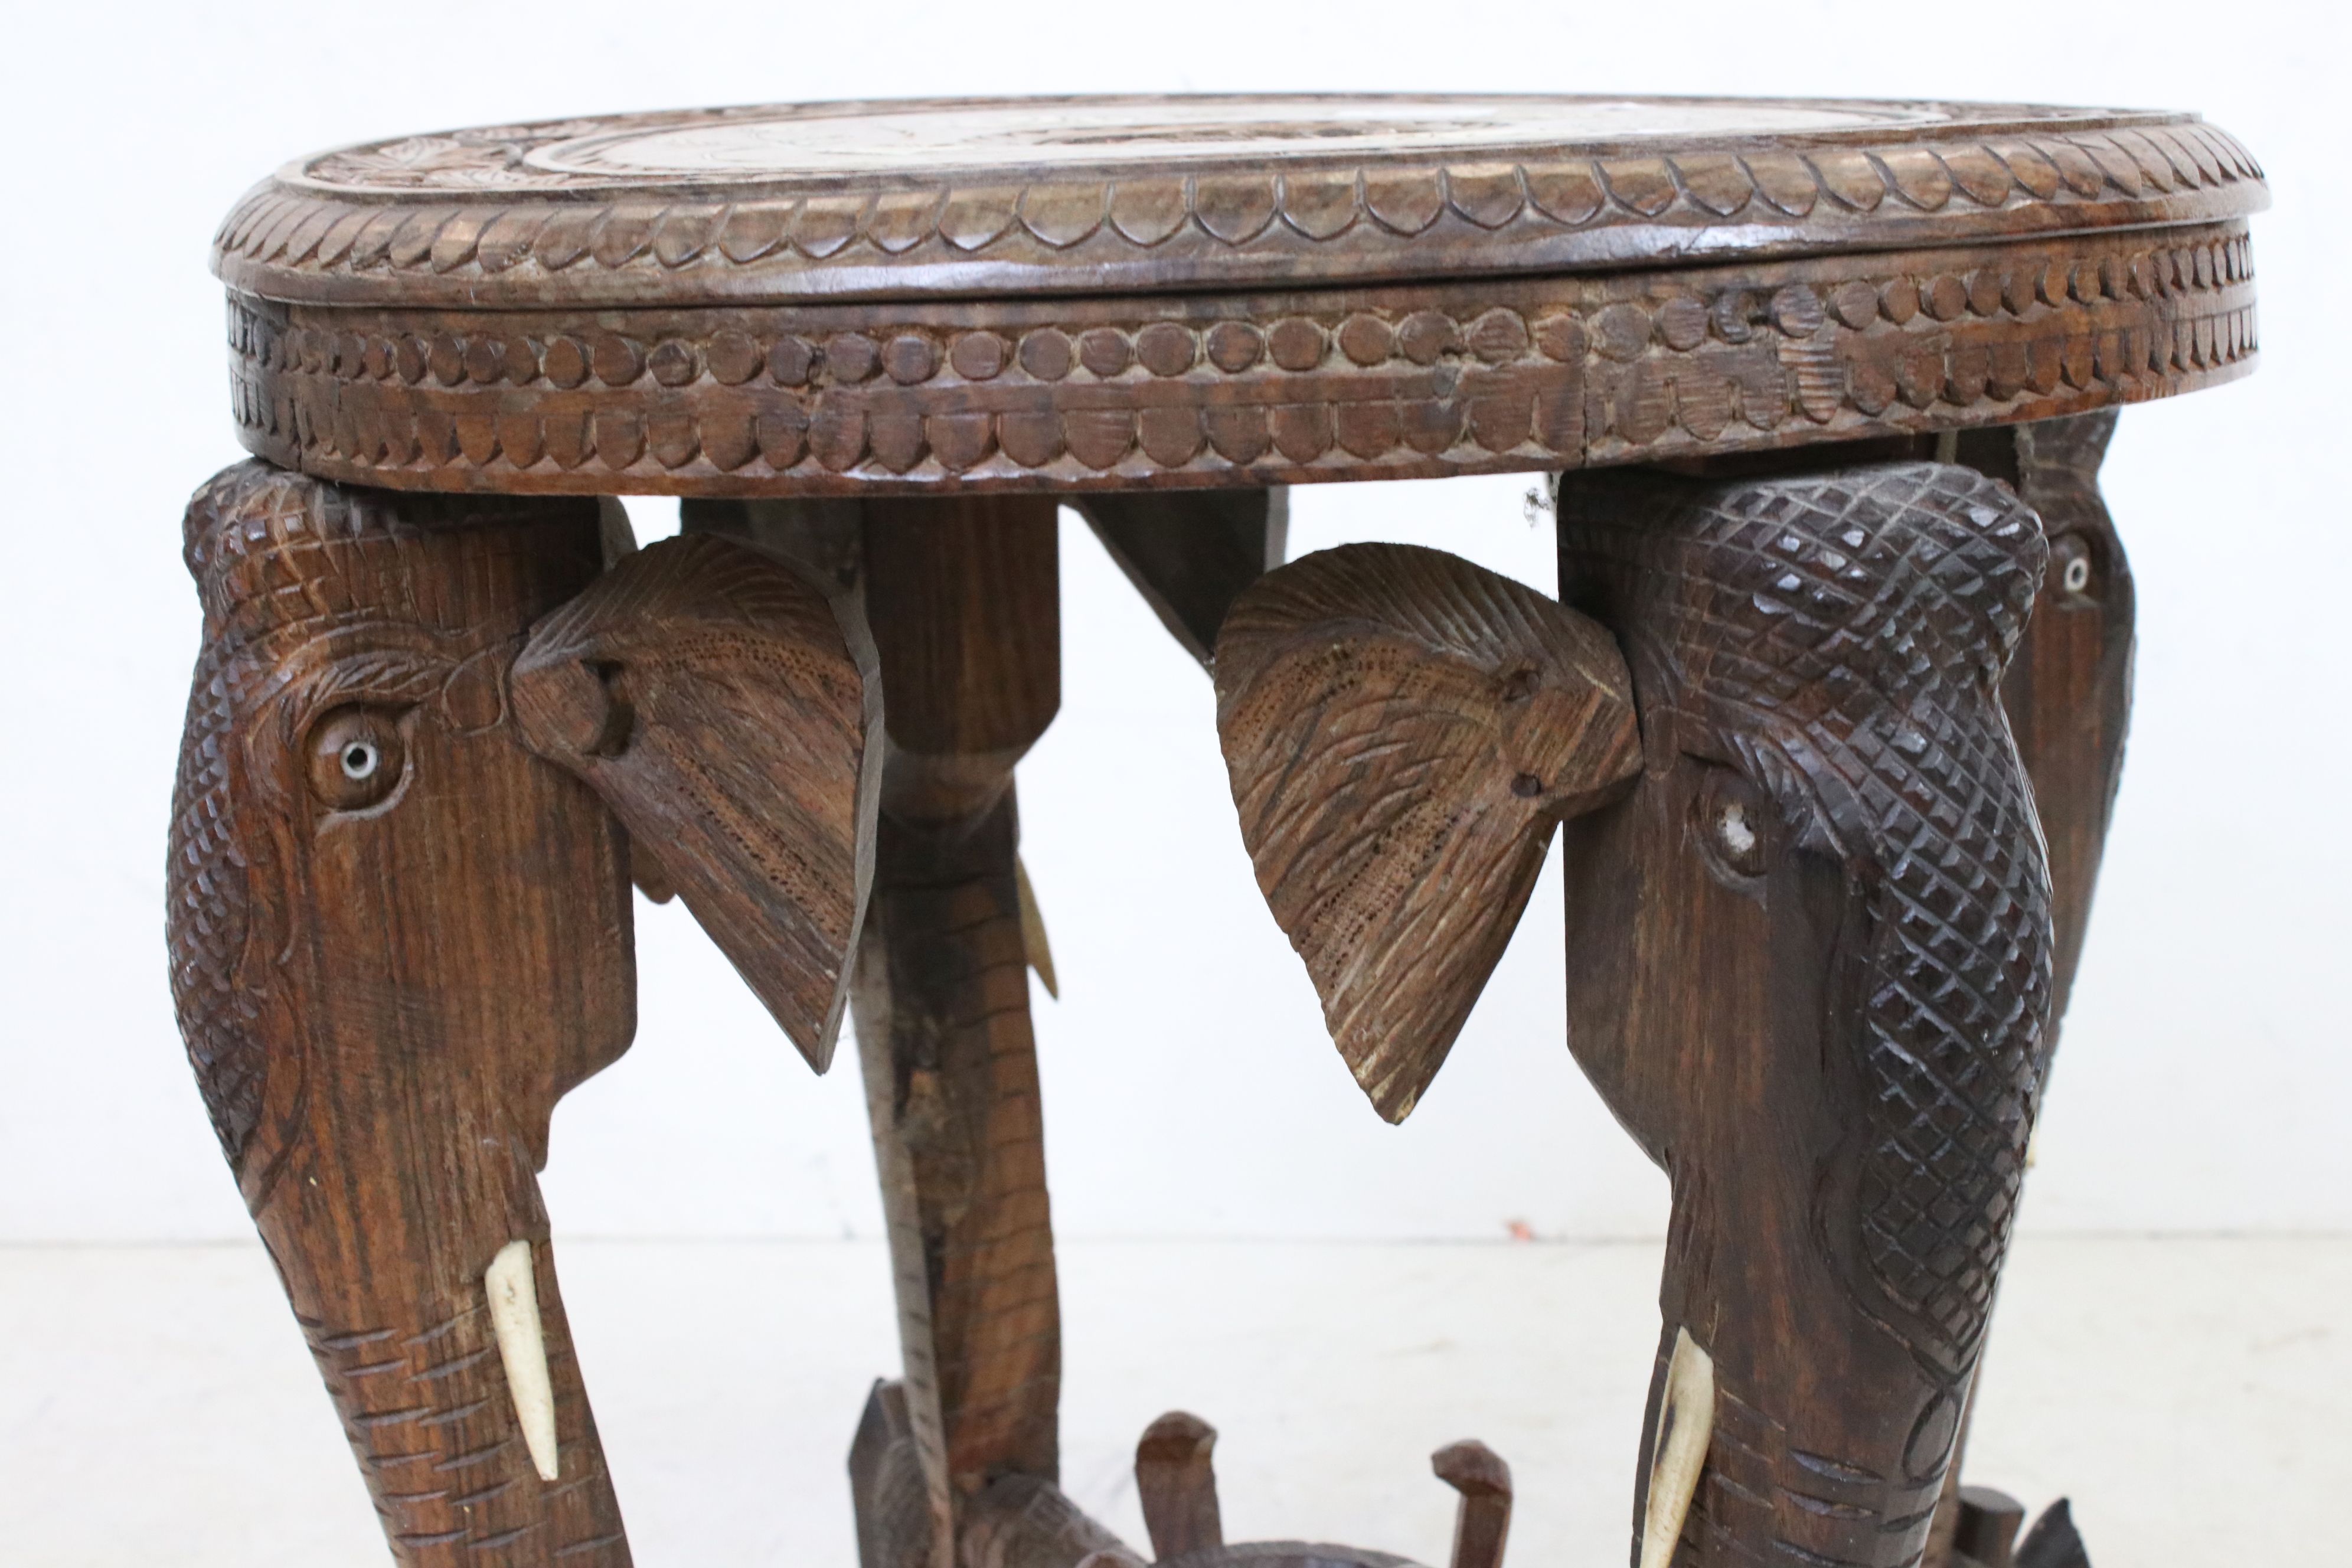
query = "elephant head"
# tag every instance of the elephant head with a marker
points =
(399, 935)
(1810, 970)
(1809, 953)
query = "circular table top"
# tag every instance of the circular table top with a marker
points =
(1177, 292)
(974, 197)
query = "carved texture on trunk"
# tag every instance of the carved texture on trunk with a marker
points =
(1818, 659)
(1403, 731)
(1841, 639)
(380, 1082)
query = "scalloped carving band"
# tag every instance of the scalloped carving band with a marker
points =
(1180, 390)
(469, 218)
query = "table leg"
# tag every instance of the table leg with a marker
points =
(1190, 552)
(1810, 968)
(961, 599)
(2068, 696)
(398, 936)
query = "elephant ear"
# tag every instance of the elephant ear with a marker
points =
(731, 719)
(1403, 731)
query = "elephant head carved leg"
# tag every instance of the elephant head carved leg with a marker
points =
(1810, 969)
(400, 935)
(397, 937)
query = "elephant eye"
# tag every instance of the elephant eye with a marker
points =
(356, 756)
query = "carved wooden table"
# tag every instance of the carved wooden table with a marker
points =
(1826, 387)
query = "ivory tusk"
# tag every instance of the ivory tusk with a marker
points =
(1686, 1423)
(522, 1348)
(1032, 932)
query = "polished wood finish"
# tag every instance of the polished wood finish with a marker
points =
(398, 938)
(1815, 955)
(974, 197)
(1403, 731)
(1276, 386)
(723, 711)
(1809, 965)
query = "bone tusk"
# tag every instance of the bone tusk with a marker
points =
(1686, 1423)
(522, 1348)
(1033, 931)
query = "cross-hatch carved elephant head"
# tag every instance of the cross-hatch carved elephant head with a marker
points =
(1809, 953)
(400, 933)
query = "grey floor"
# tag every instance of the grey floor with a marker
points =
(157, 1407)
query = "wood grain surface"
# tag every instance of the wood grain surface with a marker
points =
(1403, 730)
(1671, 357)
(398, 937)
(986, 197)
(1810, 966)
(731, 720)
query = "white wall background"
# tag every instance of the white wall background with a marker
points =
(1190, 1089)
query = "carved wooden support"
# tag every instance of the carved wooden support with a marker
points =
(961, 600)
(2068, 696)
(1190, 554)
(2054, 1542)
(1403, 731)
(1176, 1481)
(2068, 691)
(1810, 969)
(398, 937)
(722, 710)
(1482, 1523)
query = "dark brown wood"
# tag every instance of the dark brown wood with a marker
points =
(1483, 1521)
(2053, 1541)
(1989, 1524)
(1141, 194)
(398, 938)
(1190, 556)
(1176, 1479)
(1403, 731)
(961, 601)
(887, 1485)
(1470, 374)
(715, 701)
(1809, 968)
(873, 341)
(2068, 691)
(1024, 1522)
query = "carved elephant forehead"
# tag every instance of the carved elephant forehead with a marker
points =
(271, 551)
(1898, 577)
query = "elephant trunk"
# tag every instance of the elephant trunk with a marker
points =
(466, 1459)
(1809, 966)
(397, 937)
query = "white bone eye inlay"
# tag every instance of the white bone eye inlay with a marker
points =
(2077, 574)
(356, 756)
(1737, 836)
